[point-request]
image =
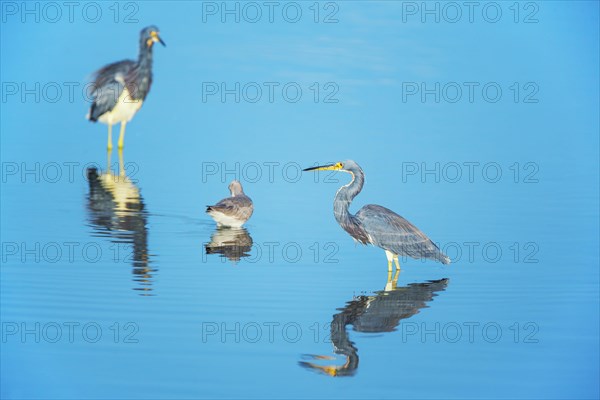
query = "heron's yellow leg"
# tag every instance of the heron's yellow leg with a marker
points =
(109, 145)
(390, 256)
(397, 264)
(121, 163)
(122, 134)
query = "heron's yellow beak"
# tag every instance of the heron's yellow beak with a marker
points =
(156, 38)
(331, 167)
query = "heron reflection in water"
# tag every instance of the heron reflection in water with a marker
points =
(116, 211)
(378, 313)
(231, 243)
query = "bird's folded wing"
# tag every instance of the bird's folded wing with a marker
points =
(105, 98)
(391, 231)
(109, 72)
(237, 207)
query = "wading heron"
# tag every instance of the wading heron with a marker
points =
(120, 88)
(232, 211)
(378, 225)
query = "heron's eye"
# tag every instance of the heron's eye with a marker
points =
(339, 165)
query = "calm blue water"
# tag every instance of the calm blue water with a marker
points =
(122, 287)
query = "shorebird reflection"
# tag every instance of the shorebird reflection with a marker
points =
(116, 211)
(378, 313)
(232, 243)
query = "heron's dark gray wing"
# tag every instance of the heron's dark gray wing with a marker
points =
(239, 207)
(107, 86)
(105, 99)
(109, 72)
(390, 231)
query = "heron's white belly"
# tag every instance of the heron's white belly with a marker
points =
(123, 111)
(225, 220)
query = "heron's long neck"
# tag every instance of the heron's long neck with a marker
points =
(344, 197)
(143, 76)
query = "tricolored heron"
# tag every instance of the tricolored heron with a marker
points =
(378, 225)
(120, 88)
(232, 211)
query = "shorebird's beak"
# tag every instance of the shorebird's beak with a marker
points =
(330, 167)
(156, 38)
